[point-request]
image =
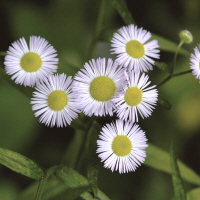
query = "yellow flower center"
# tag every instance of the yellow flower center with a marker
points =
(135, 49)
(121, 145)
(133, 96)
(102, 88)
(57, 100)
(30, 62)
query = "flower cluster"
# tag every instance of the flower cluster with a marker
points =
(102, 87)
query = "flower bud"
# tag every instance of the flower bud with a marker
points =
(186, 36)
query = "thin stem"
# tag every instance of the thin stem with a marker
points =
(175, 56)
(99, 22)
(182, 73)
(170, 77)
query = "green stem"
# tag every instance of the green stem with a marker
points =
(182, 73)
(170, 77)
(82, 156)
(43, 181)
(99, 22)
(175, 56)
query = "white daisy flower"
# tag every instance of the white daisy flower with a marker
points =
(29, 65)
(54, 101)
(195, 62)
(135, 97)
(132, 49)
(122, 146)
(96, 84)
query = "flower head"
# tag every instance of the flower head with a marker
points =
(122, 146)
(55, 101)
(195, 62)
(185, 36)
(29, 65)
(96, 84)
(136, 97)
(132, 49)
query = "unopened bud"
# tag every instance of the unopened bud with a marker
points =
(186, 36)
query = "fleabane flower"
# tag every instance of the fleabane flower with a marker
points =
(54, 101)
(133, 49)
(122, 146)
(29, 65)
(195, 62)
(135, 97)
(96, 84)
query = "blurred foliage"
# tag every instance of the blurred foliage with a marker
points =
(68, 25)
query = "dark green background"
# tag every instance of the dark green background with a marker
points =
(68, 25)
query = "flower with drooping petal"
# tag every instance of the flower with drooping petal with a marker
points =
(122, 146)
(135, 97)
(96, 84)
(133, 48)
(29, 65)
(55, 102)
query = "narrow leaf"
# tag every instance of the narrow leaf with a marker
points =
(122, 9)
(167, 45)
(179, 190)
(164, 103)
(43, 182)
(163, 66)
(160, 160)
(74, 180)
(53, 187)
(194, 194)
(20, 164)
(71, 193)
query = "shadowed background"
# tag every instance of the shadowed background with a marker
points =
(68, 26)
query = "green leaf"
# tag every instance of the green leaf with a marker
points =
(43, 182)
(122, 9)
(179, 190)
(53, 187)
(74, 180)
(193, 194)
(163, 66)
(164, 103)
(71, 193)
(167, 45)
(20, 164)
(160, 160)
